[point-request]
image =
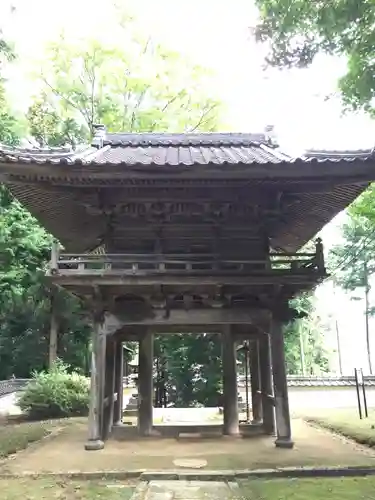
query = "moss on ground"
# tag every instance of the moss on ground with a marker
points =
(347, 423)
(48, 488)
(18, 434)
(309, 489)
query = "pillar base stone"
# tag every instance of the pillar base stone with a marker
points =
(94, 445)
(150, 433)
(285, 443)
(232, 433)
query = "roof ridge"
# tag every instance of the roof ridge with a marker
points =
(183, 139)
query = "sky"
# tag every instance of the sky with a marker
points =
(217, 35)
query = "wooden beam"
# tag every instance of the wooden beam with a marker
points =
(54, 329)
(196, 317)
(181, 282)
(95, 441)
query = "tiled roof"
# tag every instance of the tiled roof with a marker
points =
(324, 182)
(160, 150)
(192, 139)
(164, 149)
(338, 155)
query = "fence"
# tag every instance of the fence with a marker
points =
(12, 385)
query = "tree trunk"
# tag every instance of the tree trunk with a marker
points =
(302, 350)
(367, 307)
(338, 345)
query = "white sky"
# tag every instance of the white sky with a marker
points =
(215, 33)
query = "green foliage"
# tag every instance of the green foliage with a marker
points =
(297, 30)
(9, 126)
(25, 298)
(50, 129)
(304, 349)
(353, 261)
(140, 87)
(192, 366)
(55, 393)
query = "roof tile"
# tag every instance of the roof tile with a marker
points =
(177, 149)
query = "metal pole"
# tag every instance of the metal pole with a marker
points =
(358, 395)
(364, 394)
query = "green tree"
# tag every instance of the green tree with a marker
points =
(48, 128)
(192, 368)
(297, 30)
(304, 339)
(25, 298)
(140, 87)
(353, 263)
(9, 126)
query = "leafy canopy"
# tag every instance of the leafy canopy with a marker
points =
(297, 30)
(135, 87)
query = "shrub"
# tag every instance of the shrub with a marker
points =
(55, 393)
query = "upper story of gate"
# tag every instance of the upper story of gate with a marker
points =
(184, 210)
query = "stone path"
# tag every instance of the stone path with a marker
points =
(187, 490)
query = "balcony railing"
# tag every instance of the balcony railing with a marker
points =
(186, 264)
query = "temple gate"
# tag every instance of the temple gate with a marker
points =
(173, 233)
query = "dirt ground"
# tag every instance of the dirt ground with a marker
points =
(65, 453)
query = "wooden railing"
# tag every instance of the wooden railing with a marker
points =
(203, 264)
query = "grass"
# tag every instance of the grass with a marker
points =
(48, 488)
(348, 423)
(309, 489)
(17, 434)
(15, 437)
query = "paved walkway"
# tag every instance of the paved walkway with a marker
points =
(189, 490)
(66, 453)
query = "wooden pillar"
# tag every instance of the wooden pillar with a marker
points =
(109, 384)
(266, 384)
(230, 391)
(283, 427)
(119, 383)
(145, 383)
(54, 328)
(97, 387)
(256, 397)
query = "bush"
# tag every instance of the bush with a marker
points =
(55, 393)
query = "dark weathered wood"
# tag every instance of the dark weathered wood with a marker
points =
(256, 397)
(55, 255)
(53, 334)
(230, 391)
(283, 425)
(145, 383)
(96, 406)
(109, 385)
(119, 382)
(203, 316)
(201, 263)
(266, 384)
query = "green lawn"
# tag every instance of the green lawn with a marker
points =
(48, 488)
(347, 423)
(309, 489)
(16, 435)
